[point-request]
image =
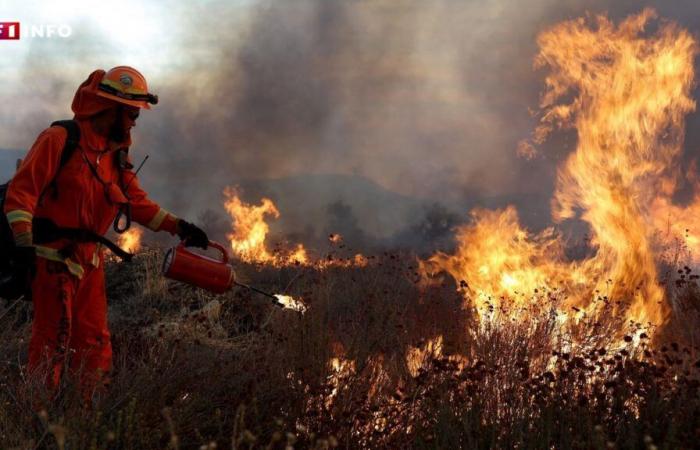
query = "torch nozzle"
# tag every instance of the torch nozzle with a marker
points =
(254, 289)
(281, 301)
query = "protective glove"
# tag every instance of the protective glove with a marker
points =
(24, 258)
(192, 235)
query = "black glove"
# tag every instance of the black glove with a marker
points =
(24, 258)
(23, 261)
(192, 235)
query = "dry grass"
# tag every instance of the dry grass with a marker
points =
(197, 371)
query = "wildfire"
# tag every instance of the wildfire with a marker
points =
(626, 92)
(250, 231)
(131, 240)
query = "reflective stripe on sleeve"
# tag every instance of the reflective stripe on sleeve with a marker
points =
(19, 216)
(157, 221)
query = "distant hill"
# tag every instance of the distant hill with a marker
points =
(317, 198)
(364, 212)
(312, 205)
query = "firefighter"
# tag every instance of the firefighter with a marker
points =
(69, 327)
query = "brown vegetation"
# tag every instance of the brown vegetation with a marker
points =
(377, 361)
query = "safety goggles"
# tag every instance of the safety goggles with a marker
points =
(131, 114)
(149, 98)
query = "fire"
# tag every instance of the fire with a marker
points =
(250, 232)
(298, 255)
(417, 356)
(340, 370)
(499, 260)
(626, 92)
(677, 225)
(291, 303)
(131, 240)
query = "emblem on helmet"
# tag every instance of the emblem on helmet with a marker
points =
(126, 80)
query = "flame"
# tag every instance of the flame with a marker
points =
(131, 240)
(291, 303)
(499, 260)
(626, 92)
(360, 260)
(298, 255)
(340, 369)
(416, 357)
(678, 225)
(250, 228)
(340, 364)
(250, 231)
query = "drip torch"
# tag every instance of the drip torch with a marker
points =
(214, 275)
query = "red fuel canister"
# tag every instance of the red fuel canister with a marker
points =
(202, 271)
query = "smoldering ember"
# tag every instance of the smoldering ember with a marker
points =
(343, 224)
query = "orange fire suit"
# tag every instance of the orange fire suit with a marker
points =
(68, 291)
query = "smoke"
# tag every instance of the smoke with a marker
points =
(318, 102)
(385, 90)
(390, 92)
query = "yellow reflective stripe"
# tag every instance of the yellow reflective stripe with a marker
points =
(19, 216)
(53, 255)
(120, 87)
(157, 220)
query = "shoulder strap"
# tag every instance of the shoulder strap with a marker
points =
(72, 140)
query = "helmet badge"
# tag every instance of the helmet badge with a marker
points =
(126, 80)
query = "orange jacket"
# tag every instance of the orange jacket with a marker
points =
(81, 200)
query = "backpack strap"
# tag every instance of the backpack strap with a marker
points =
(72, 140)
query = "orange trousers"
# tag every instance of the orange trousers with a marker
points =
(69, 328)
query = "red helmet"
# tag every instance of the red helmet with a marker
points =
(126, 85)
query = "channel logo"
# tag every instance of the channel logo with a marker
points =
(9, 30)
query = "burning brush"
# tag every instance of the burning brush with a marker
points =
(216, 276)
(626, 91)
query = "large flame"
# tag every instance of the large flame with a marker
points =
(626, 91)
(250, 232)
(497, 259)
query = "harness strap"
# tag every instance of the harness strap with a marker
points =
(69, 147)
(124, 210)
(45, 231)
